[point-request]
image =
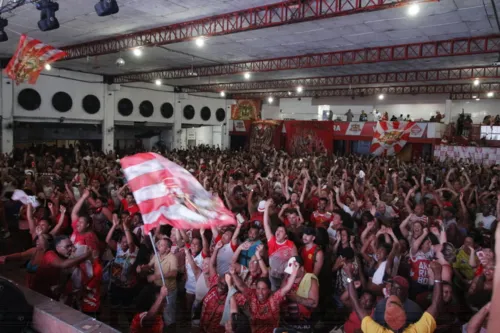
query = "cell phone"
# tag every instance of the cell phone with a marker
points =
(240, 218)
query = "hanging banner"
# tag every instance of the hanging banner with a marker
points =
(390, 137)
(479, 155)
(308, 137)
(246, 109)
(30, 58)
(265, 134)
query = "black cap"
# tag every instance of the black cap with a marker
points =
(310, 231)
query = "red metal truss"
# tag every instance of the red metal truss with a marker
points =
(468, 89)
(449, 74)
(278, 14)
(434, 49)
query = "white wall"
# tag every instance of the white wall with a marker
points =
(213, 103)
(477, 109)
(301, 110)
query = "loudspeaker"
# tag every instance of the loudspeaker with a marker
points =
(16, 314)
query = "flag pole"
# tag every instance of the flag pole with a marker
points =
(157, 257)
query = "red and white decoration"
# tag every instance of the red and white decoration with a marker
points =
(484, 155)
(390, 137)
(30, 58)
(168, 194)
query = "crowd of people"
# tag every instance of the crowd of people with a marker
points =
(321, 244)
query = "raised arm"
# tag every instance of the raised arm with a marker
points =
(291, 280)
(128, 234)
(417, 242)
(403, 227)
(58, 226)
(78, 205)
(109, 238)
(212, 268)
(348, 269)
(267, 227)
(150, 316)
(437, 294)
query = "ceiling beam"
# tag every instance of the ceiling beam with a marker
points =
(286, 12)
(424, 50)
(430, 75)
(452, 89)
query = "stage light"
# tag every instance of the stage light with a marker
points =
(270, 99)
(106, 7)
(200, 41)
(222, 94)
(491, 94)
(414, 9)
(247, 75)
(158, 82)
(300, 89)
(48, 20)
(48, 67)
(476, 82)
(381, 96)
(137, 51)
(475, 96)
(289, 93)
(478, 99)
(3, 34)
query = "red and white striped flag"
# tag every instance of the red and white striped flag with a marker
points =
(390, 137)
(168, 194)
(30, 58)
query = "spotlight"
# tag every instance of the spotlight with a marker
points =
(270, 99)
(289, 93)
(200, 41)
(247, 75)
(222, 94)
(120, 62)
(106, 7)
(476, 82)
(137, 51)
(475, 96)
(414, 9)
(300, 89)
(478, 99)
(48, 20)
(48, 67)
(491, 94)
(381, 96)
(3, 34)
(158, 82)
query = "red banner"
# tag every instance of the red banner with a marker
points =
(354, 128)
(390, 137)
(246, 109)
(308, 137)
(265, 135)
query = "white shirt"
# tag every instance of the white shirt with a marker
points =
(224, 257)
(486, 220)
(191, 277)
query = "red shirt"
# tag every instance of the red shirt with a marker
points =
(133, 209)
(91, 301)
(213, 308)
(137, 327)
(264, 316)
(309, 258)
(65, 226)
(47, 275)
(273, 246)
(319, 219)
(89, 238)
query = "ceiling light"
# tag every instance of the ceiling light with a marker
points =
(3, 34)
(137, 51)
(48, 67)
(120, 62)
(48, 20)
(222, 94)
(106, 7)
(478, 99)
(491, 94)
(200, 41)
(270, 99)
(300, 89)
(413, 9)
(381, 96)
(247, 75)
(475, 96)
(158, 82)
(289, 93)
(476, 82)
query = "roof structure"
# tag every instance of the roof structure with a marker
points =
(262, 47)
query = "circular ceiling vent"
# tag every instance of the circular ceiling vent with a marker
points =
(189, 112)
(167, 110)
(62, 101)
(220, 114)
(146, 109)
(29, 99)
(125, 107)
(91, 104)
(205, 113)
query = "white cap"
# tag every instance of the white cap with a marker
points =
(289, 266)
(262, 206)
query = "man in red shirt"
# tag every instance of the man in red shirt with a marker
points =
(91, 301)
(311, 253)
(320, 217)
(129, 204)
(149, 320)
